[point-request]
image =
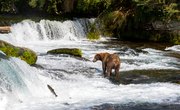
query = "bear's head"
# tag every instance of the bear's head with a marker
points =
(97, 57)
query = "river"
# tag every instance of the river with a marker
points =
(79, 84)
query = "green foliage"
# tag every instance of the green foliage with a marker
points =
(73, 51)
(113, 21)
(93, 36)
(53, 6)
(85, 5)
(50, 6)
(56, 7)
(25, 54)
(161, 9)
(171, 11)
(8, 6)
(133, 19)
(37, 3)
(92, 6)
(175, 38)
(94, 33)
(33, 3)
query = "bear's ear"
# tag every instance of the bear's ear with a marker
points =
(98, 56)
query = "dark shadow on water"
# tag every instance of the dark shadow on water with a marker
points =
(147, 77)
(3, 56)
(133, 106)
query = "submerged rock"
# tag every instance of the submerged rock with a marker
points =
(70, 51)
(24, 53)
(136, 106)
(148, 76)
(173, 54)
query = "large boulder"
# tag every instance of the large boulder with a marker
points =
(147, 76)
(23, 53)
(70, 51)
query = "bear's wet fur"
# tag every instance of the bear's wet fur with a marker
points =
(109, 62)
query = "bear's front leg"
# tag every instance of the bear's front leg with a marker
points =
(117, 72)
(104, 69)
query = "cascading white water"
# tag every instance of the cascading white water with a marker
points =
(17, 76)
(19, 82)
(29, 31)
(78, 84)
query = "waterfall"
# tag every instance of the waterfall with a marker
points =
(45, 30)
(19, 81)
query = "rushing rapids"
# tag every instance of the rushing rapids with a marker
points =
(79, 84)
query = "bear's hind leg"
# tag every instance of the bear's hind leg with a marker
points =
(117, 72)
(109, 71)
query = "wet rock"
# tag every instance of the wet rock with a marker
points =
(173, 54)
(148, 76)
(3, 56)
(128, 51)
(70, 51)
(81, 58)
(66, 103)
(25, 54)
(38, 66)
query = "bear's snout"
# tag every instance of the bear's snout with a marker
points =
(94, 60)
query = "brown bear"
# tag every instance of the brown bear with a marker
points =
(109, 62)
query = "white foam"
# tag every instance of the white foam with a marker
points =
(20, 82)
(84, 92)
(3, 102)
(174, 48)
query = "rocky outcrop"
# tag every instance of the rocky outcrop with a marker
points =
(148, 76)
(172, 25)
(70, 51)
(5, 29)
(23, 53)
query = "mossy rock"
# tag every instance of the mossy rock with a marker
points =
(69, 51)
(23, 53)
